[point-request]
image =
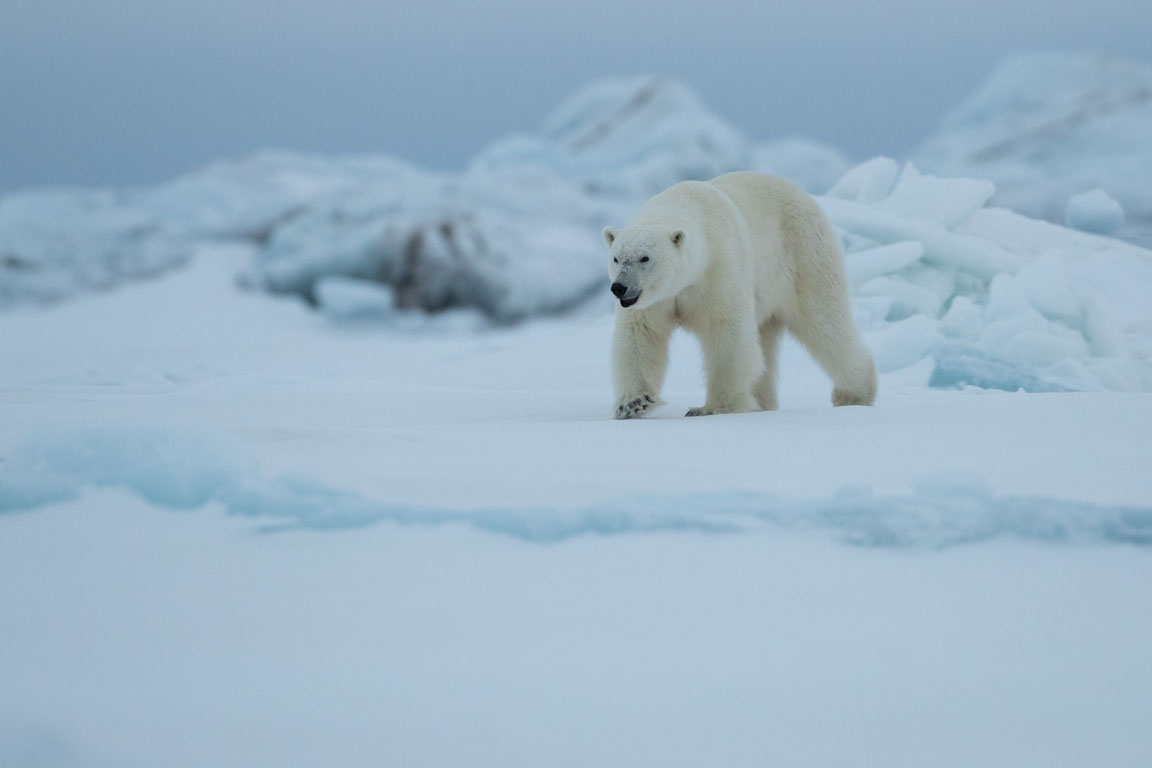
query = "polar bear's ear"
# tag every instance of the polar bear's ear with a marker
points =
(677, 237)
(609, 236)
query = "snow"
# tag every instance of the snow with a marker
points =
(262, 537)
(994, 298)
(370, 647)
(391, 413)
(514, 236)
(947, 202)
(312, 494)
(1046, 126)
(940, 279)
(869, 263)
(348, 298)
(868, 182)
(1094, 212)
(375, 241)
(510, 246)
(440, 242)
(53, 245)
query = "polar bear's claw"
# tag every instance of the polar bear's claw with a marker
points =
(635, 407)
(699, 412)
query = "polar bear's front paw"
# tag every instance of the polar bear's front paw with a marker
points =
(635, 407)
(699, 412)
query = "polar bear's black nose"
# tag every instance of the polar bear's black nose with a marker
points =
(618, 290)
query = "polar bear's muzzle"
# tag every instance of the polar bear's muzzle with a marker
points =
(627, 297)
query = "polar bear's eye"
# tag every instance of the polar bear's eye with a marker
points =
(643, 259)
(615, 260)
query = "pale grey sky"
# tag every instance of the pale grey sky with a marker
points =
(115, 92)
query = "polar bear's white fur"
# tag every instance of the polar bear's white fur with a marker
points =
(736, 260)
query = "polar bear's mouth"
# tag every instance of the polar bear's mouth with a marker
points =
(627, 302)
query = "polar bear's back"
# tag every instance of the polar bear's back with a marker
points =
(789, 235)
(773, 208)
(750, 185)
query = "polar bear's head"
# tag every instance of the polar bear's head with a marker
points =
(648, 264)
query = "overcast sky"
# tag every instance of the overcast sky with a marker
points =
(114, 92)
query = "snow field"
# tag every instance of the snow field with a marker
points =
(236, 532)
(151, 639)
(287, 482)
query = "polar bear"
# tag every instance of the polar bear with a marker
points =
(735, 260)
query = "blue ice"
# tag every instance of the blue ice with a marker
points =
(186, 469)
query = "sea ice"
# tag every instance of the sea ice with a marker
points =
(868, 182)
(626, 137)
(346, 298)
(868, 263)
(1045, 126)
(1095, 212)
(944, 201)
(517, 236)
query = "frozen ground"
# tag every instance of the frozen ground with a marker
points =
(238, 532)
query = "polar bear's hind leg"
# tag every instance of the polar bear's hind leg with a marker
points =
(765, 388)
(836, 345)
